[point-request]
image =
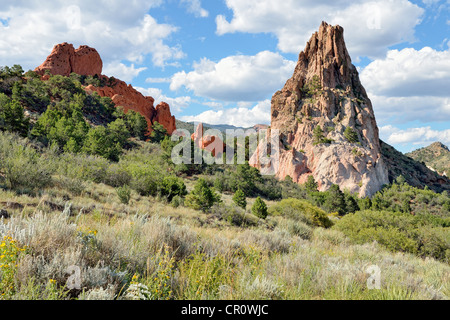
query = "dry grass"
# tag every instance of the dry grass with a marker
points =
(277, 259)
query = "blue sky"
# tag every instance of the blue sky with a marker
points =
(220, 61)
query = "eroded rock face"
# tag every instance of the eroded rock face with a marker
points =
(130, 99)
(325, 91)
(64, 60)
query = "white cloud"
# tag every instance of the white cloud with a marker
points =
(409, 73)
(121, 71)
(117, 29)
(195, 7)
(176, 104)
(370, 26)
(158, 80)
(239, 117)
(236, 78)
(410, 85)
(416, 136)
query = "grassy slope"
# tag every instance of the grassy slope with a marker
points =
(111, 242)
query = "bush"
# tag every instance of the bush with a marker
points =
(145, 178)
(398, 232)
(172, 186)
(301, 210)
(22, 167)
(74, 186)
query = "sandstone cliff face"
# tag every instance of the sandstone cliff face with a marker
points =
(325, 91)
(64, 60)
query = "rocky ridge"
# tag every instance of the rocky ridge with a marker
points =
(64, 60)
(436, 157)
(325, 91)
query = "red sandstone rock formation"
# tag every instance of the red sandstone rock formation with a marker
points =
(210, 143)
(64, 60)
(325, 91)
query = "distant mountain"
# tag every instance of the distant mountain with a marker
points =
(415, 172)
(436, 157)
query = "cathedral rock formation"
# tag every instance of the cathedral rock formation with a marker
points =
(326, 121)
(65, 60)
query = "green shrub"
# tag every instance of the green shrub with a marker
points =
(172, 186)
(398, 232)
(22, 167)
(233, 215)
(303, 211)
(73, 185)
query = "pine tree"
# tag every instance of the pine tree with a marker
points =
(311, 184)
(335, 201)
(202, 197)
(240, 199)
(351, 135)
(259, 208)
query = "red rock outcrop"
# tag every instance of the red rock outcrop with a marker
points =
(64, 60)
(210, 143)
(325, 91)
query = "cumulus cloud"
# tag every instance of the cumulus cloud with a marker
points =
(176, 104)
(416, 136)
(236, 78)
(117, 29)
(195, 7)
(121, 71)
(239, 117)
(370, 26)
(406, 83)
(409, 72)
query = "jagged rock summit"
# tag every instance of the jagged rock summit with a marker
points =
(326, 121)
(64, 60)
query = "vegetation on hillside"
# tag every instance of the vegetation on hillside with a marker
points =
(436, 156)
